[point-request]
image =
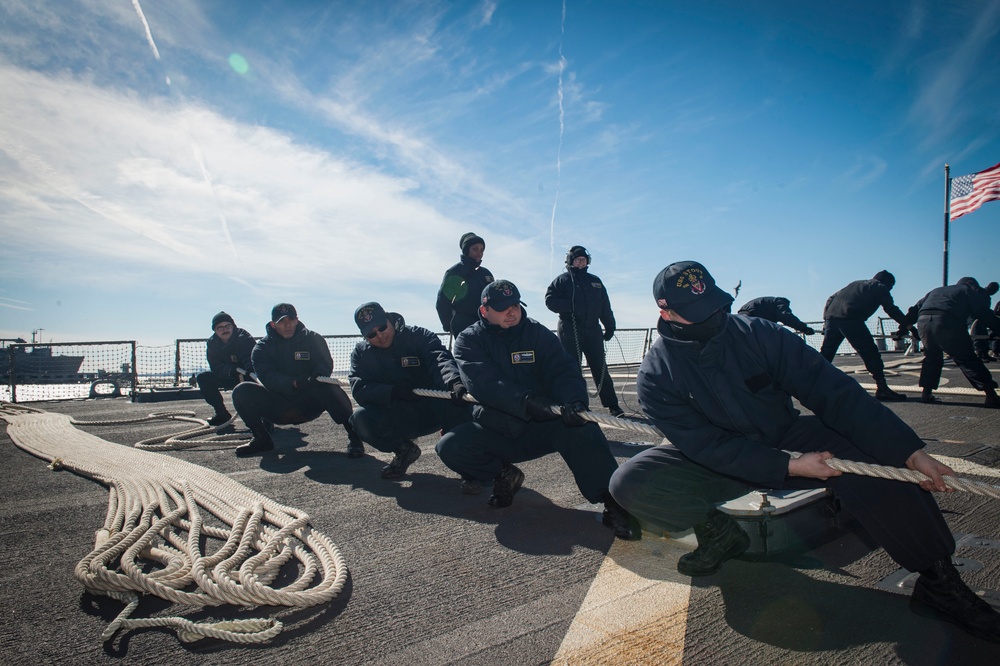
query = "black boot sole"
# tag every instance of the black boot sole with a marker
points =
(247, 452)
(924, 609)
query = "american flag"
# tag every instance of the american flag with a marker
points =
(970, 192)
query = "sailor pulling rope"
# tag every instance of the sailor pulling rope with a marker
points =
(849, 466)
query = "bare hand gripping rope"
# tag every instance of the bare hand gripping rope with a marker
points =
(848, 466)
(157, 511)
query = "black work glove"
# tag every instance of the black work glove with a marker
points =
(571, 413)
(809, 330)
(540, 408)
(899, 335)
(305, 383)
(608, 334)
(458, 393)
(403, 393)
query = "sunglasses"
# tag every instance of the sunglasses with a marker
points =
(375, 331)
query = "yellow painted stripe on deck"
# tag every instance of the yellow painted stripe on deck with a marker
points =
(636, 609)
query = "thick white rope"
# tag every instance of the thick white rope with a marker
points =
(849, 466)
(202, 433)
(155, 516)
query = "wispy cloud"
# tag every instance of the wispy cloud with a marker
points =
(487, 9)
(129, 190)
(867, 170)
(939, 103)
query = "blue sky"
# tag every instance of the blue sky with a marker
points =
(235, 155)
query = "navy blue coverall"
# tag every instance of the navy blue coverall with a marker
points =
(416, 359)
(500, 367)
(726, 408)
(583, 305)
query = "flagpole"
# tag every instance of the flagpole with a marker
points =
(947, 219)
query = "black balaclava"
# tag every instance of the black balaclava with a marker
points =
(702, 331)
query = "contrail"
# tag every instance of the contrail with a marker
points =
(555, 203)
(149, 35)
(195, 149)
(15, 307)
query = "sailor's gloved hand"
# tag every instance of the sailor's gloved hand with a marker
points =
(540, 408)
(608, 334)
(458, 393)
(403, 393)
(899, 335)
(809, 330)
(571, 413)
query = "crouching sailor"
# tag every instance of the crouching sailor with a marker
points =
(386, 366)
(288, 360)
(719, 386)
(531, 394)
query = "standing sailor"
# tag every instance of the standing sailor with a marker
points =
(458, 297)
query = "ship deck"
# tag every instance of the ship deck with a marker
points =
(437, 577)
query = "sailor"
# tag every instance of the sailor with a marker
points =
(941, 317)
(458, 297)
(982, 342)
(776, 309)
(386, 366)
(845, 315)
(720, 388)
(582, 303)
(531, 395)
(228, 350)
(288, 361)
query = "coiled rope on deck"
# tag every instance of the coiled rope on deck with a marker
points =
(156, 516)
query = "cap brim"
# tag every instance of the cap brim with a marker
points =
(373, 324)
(702, 308)
(498, 305)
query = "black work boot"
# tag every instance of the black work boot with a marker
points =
(470, 487)
(720, 538)
(355, 447)
(927, 395)
(404, 456)
(260, 443)
(624, 524)
(886, 394)
(221, 417)
(992, 399)
(505, 484)
(939, 593)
